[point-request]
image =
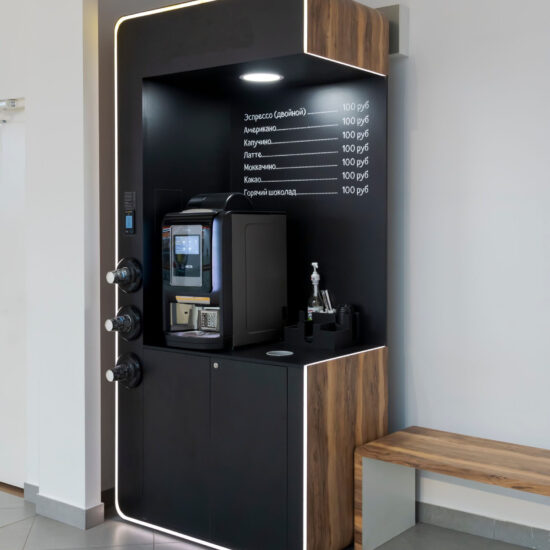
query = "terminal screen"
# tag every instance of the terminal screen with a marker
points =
(187, 256)
(187, 244)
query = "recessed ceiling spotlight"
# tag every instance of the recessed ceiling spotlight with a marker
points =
(261, 77)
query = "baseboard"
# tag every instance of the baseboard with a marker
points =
(30, 492)
(63, 512)
(504, 531)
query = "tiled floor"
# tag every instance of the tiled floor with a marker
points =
(430, 537)
(22, 529)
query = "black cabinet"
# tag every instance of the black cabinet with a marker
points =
(211, 459)
(249, 455)
(176, 419)
(224, 448)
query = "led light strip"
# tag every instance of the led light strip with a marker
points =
(305, 25)
(304, 459)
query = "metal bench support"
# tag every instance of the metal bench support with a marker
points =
(389, 495)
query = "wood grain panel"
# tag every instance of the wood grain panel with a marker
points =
(483, 460)
(347, 406)
(349, 32)
(358, 502)
(11, 490)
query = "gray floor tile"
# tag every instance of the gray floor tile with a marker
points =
(11, 515)
(14, 536)
(40, 533)
(126, 547)
(166, 542)
(430, 537)
(177, 546)
(10, 501)
(48, 534)
(456, 520)
(161, 538)
(14, 509)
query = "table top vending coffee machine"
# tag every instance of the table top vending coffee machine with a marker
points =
(251, 143)
(224, 273)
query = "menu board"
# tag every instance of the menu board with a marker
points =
(318, 142)
(318, 154)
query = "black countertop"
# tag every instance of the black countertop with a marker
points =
(258, 354)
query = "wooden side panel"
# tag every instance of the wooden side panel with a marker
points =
(347, 406)
(348, 32)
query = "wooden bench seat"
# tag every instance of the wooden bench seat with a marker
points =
(504, 464)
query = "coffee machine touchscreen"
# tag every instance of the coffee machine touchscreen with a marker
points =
(187, 256)
(186, 253)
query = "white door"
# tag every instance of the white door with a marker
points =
(12, 299)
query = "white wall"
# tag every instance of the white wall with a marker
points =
(63, 245)
(469, 258)
(12, 299)
(49, 245)
(13, 49)
(12, 252)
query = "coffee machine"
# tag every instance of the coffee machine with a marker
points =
(224, 273)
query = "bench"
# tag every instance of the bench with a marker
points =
(385, 475)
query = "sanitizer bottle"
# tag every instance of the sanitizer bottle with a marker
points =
(314, 304)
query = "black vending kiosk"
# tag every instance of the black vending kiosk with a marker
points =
(250, 143)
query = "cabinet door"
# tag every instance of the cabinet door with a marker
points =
(249, 447)
(176, 433)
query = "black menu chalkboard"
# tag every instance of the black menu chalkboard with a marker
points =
(318, 142)
(319, 154)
